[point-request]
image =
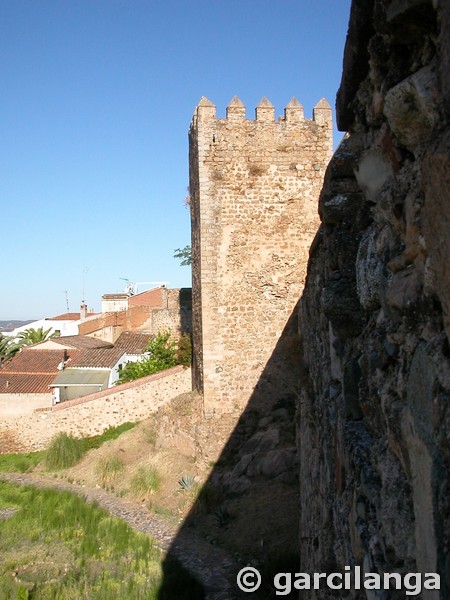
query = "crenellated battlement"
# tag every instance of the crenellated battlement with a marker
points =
(265, 112)
(254, 189)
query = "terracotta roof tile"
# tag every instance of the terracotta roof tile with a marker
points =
(25, 383)
(35, 361)
(133, 342)
(104, 358)
(32, 371)
(81, 341)
(65, 317)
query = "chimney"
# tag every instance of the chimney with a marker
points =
(83, 311)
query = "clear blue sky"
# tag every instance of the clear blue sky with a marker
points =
(96, 98)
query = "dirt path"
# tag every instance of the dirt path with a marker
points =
(211, 565)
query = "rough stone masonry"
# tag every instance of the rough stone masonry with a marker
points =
(254, 186)
(374, 418)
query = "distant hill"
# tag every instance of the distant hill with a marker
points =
(10, 325)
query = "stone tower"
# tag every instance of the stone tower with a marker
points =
(254, 187)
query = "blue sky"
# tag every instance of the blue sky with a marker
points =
(96, 98)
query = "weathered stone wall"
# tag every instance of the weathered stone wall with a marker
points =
(93, 414)
(374, 419)
(254, 186)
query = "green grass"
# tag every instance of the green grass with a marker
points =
(58, 547)
(69, 447)
(64, 451)
(145, 480)
(20, 463)
(108, 435)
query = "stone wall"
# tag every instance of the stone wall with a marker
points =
(93, 414)
(374, 418)
(17, 405)
(254, 186)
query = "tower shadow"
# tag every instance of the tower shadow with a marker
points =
(185, 310)
(247, 511)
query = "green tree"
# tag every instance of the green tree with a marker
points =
(8, 348)
(184, 255)
(33, 336)
(162, 354)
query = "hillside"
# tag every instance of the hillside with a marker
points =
(12, 324)
(181, 468)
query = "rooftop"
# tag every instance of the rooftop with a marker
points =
(133, 343)
(41, 362)
(80, 341)
(70, 316)
(103, 358)
(81, 377)
(31, 372)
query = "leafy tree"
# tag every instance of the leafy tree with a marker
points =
(8, 348)
(33, 336)
(184, 255)
(162, 351)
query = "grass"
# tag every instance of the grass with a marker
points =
(109, 468)
(58, 547)
(70, 447)
(108, 435)
(20, 463)
(151, 437)
(64, 451)
(146, 480)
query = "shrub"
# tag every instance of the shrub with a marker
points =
(145, 480)
(222, 517)
(109, 468)
(186, 482)
(64, 451)
(162, 355)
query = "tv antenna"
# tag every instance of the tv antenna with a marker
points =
(85, 270)
(132, 286)
(67, 299)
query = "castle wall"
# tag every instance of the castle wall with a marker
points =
(374, 423)
(254, 187)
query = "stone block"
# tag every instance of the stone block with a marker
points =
(276, 462)
(411, 108)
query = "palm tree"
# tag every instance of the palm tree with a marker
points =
(33, 336)
(7, 348)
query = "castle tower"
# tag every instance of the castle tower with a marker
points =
(254, 188)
